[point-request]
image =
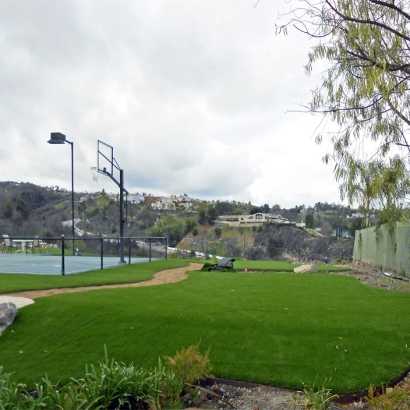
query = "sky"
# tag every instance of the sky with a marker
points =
(196, 97)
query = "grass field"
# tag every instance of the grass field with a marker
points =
(125, 274)
(280, 266)
(277, 329)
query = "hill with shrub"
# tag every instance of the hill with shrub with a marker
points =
(27, 210)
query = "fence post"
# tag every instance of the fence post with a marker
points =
(62, 256)
(150, 240)
(166, 247)
(102, 252)
(129, 251)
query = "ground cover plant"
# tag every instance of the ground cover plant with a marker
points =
(112, 384)
(124, 274)
(275, 329)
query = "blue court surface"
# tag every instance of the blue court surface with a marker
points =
(51, 264)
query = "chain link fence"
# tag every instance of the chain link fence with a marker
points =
(386, 247)
(65, 256)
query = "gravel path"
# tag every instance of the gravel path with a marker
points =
(160, 278)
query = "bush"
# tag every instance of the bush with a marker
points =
(111, 385)
(190, 365)
(396, 398)
(339, 261)
(313, 397)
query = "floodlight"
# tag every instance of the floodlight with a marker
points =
(57, 138)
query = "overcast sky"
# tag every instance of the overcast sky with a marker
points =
(194, 96)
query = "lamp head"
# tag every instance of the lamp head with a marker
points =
(57, 138)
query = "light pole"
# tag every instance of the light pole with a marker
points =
(59, 138)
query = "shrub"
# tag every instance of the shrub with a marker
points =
(119, 384)
(396, 398)
(339, 261)
(313, 397)
(111, 385)
(190, 365)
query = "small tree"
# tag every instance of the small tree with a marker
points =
(212, 214)
(8, 210)
(202, 217)
(276, 208)
(309, 221)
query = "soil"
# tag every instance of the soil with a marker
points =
(374, 276)
(229, 394)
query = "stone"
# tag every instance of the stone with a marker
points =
(8, 312)
(305, 269)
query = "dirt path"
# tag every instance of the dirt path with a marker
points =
(160, 278)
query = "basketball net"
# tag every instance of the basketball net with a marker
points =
(94, 173)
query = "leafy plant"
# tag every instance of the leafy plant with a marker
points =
(66, 397)
(10, 392)
(113, 382)
(313, 397)
(170, 385)
(396, 398)
(190, 365)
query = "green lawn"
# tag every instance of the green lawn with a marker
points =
(280, 266)
(10, 282)
(277, 329)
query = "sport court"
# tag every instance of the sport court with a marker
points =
(51, 264)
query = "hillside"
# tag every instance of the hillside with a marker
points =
(285, 242)
(27, 210)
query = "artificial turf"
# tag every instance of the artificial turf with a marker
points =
(281, 266)
(277, 329)
(12, 282)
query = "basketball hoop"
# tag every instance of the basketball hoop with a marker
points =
(94, 173)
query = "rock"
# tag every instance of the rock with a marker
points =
(8, 311)
(305, 269)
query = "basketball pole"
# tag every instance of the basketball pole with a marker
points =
(120, 184)
(122, 221)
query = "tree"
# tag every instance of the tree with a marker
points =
(189, 224)
(375, 184)
(211, 215)
(238, 211)
(231, 246)
(255, 210)
(202, 217)
(275, 208)
(354, 225)
(22, 207)
(326, 228)
(8, 209)
(309, 221)
(82, 207)
(365, 89)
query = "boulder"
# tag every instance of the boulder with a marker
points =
(305, 269)
(8, 311)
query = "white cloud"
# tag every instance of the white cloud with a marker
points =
(191, 95)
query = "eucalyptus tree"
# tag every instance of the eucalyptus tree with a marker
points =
(364, 89)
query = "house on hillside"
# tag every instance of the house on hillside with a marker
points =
(135, 198)
(250, 220)
(165, 203)
(152, 198)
